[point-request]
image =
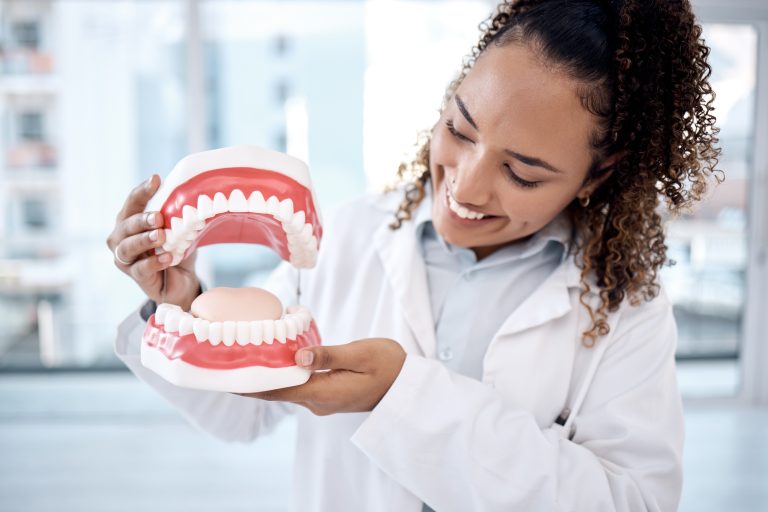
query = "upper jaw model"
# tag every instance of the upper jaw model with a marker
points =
(235, 340)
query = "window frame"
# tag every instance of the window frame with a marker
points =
(753, 356)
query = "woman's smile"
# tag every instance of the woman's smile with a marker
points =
(461, 214)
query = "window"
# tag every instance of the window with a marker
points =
(116, 109)
(281, 141)
(25, 37)
(710, 247)
(35, 215)
(27, 34)
(282, 91)
(282, 44)
(31, 126)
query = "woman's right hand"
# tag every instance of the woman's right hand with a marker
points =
(136, 235)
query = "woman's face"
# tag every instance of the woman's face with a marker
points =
(513, 145)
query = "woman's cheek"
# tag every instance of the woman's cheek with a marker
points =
(532, 207)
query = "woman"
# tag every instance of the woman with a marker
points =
(514, 349)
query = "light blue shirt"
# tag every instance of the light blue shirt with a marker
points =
(470, 299)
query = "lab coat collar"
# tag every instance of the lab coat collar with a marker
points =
(405, 269)
(551, 300)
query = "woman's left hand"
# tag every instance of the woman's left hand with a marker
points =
(360, 373)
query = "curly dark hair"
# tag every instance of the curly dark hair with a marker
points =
(642, 69)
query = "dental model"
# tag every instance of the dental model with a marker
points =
(233, 339)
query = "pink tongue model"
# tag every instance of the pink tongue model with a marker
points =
(222, 304)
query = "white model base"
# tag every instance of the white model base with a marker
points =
(251, 379)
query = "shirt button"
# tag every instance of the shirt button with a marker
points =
(445, 354)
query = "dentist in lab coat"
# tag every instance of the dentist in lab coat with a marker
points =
(505, 343)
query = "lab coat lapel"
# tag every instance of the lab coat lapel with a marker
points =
(551, 300)
(404, 268)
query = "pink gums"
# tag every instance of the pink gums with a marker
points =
(242, 227)
(222, 357)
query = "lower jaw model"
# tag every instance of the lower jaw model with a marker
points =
(238, 340)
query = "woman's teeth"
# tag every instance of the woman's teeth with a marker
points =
(462, 212)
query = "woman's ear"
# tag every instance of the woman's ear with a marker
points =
(604, 172)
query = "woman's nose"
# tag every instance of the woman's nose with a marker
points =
(472, 182)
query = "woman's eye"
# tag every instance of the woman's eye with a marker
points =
(508, 170)
(454, 132)
(518, 180)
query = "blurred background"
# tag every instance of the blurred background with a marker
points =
(95, 96)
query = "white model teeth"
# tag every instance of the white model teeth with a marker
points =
(185, 324)
(268, 331)
(192, 220)
(228, 332)
(280, 331)
(201, 327)
(256, 338)
(237, 201)
(291, 328)
(463, 212)
(302, 243)
(284, 210)
(272, 204)
(177, 224)
(204, 207)
(220, 203)
(296, 321)
(256, 203)
(162, 312)
(214, 333)
(295, 224)
(172, 320)
(243, 335)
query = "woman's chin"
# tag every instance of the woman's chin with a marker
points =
(457, 239)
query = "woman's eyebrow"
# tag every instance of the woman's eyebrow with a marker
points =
(465, 112)
(532, 160)
(527, 160)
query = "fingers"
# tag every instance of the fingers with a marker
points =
(303, 394)
(139, 197)
(132, 219)
(353, 356)
(133, 247)
(327, 393)
(139, 223)
(145, 268)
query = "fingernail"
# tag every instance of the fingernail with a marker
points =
(306, 357)
(164, 258)
(148, 183)
(153, 235)
(151, 217)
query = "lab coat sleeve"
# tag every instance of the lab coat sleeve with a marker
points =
(455, 444)
(226, 416)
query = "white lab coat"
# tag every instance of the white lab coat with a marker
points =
(451, 441)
